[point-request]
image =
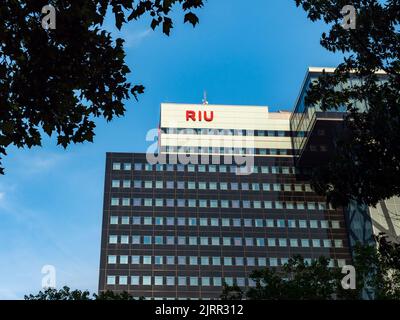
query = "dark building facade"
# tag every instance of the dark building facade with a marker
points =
(174, 231)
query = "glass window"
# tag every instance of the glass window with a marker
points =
(335, 224)
(270, 223)
(181, 221)
(181, 260)
(248, 222)
(113, 220)
(276, 187)
(205, 261)
(201, 168)
(311, 206)
(138, 166)
(204, 241)
(147, 220)
(193, 241)
(225, 222)
(237, 241)
(223, 186)
(116, 166)
(192, 221)
(327, 243)
(170, 240)
(137, 184)
(338, 243)
(259, 223)
(170, 281)
(148, 202)
(293, 243)
(115, 201)
(281, 223)
(159, 221)
(215, 241)
(262, 262)
(135, 239)
(234, 186)
(180, 185)
(245, 186)
(181, 202)
(302, 223)
(217, 281)
(226, 241)
(266, 187)
(110, 280)
(292, 223)
(246, 204)
(192, 203)
(216, 261)
(235, 204)
(146, 280)
(260, 242)
(273, 262)
(227, 261)
(313, 224)
(236, 222)
(278, 205)
(284, 261)
(224, 203)
(181, 281)
(251, 261)
(249, 242)
(191, 185)
(239, 261)
(146, 259)
(203, 222)
(126, 184)
(193, 261)
(135, 220)
(182, 240)
(123, 259)
(305, 243)
(324, 224)
(205, 281)
(115, 184)
(148, 184)
(282, 242)
(202, 185)
(134, 280)
(214, 222)
(158, 280)
(127, 166)
(170, 260)
(113, 239)
(222, 169)
(124, 220)
(159, 240)
(146, 239)
(268, 204)
(271, 242)
(316, 243)
(135, 259)
(112, 259)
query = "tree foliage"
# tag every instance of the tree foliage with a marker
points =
(58, 81)
(66, 293)
(377, 277)
(366, 163)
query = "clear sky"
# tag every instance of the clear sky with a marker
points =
(243, 52)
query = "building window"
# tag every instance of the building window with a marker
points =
(147, 221)
(135, 259)
(116, 166)
(305, 243)
(260, 242)
(123, 259)
(124, 239)
(217, 281)
(135, 280)
(115, 201)
(113, 239)
(170, 281)
(146, 239)
(271, 242)
(111, 280)
(335, 224)
(293, 243)
(282, 242)
(135, 239)
(146, 259)
(126, 202)
(113, 220)
(273, 262)
(267, 204)
(158, 281)
(115, 184)
(338, 243)
(146, 280)
(181, 281)
(316, 243)
(216, 261)
(112, 259)
(193, 261)
(137, 202)
(302, 223)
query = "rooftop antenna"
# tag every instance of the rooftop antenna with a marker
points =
(205, 102)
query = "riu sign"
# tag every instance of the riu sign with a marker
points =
(199, 115)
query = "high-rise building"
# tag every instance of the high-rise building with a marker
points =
(223, 195)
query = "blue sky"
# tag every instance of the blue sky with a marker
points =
(51, 199)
